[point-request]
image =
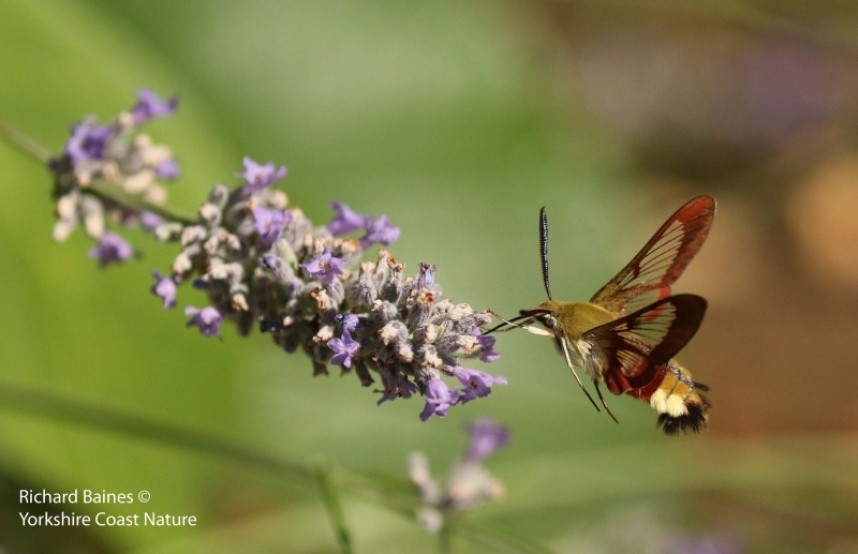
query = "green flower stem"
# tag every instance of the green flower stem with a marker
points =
(496, 540)
(24, 144)
(330, 495)
(111, 191)
(445, 540)
(66, 410)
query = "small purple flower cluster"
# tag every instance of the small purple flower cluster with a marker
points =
(114, 153)
(468, 485)
(262, 263)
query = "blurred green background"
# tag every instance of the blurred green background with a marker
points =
(458, 120)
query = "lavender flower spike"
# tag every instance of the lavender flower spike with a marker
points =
(264, 265)
(467, 485)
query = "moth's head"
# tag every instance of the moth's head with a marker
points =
(546, 313)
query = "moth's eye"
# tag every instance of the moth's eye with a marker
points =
(550, 321)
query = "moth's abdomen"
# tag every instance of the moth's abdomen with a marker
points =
(677, 399)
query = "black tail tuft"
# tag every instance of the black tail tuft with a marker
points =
(693, 422)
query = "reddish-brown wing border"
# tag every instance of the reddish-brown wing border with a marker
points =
(662, 260)
(635, 345)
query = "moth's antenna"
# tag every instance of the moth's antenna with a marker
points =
(543, 249)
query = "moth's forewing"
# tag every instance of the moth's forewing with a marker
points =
(661, 261)
(633, 346)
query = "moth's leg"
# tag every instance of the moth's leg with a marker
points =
(602, 400)
(565, 348)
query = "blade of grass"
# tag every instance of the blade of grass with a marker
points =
(331, 497)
